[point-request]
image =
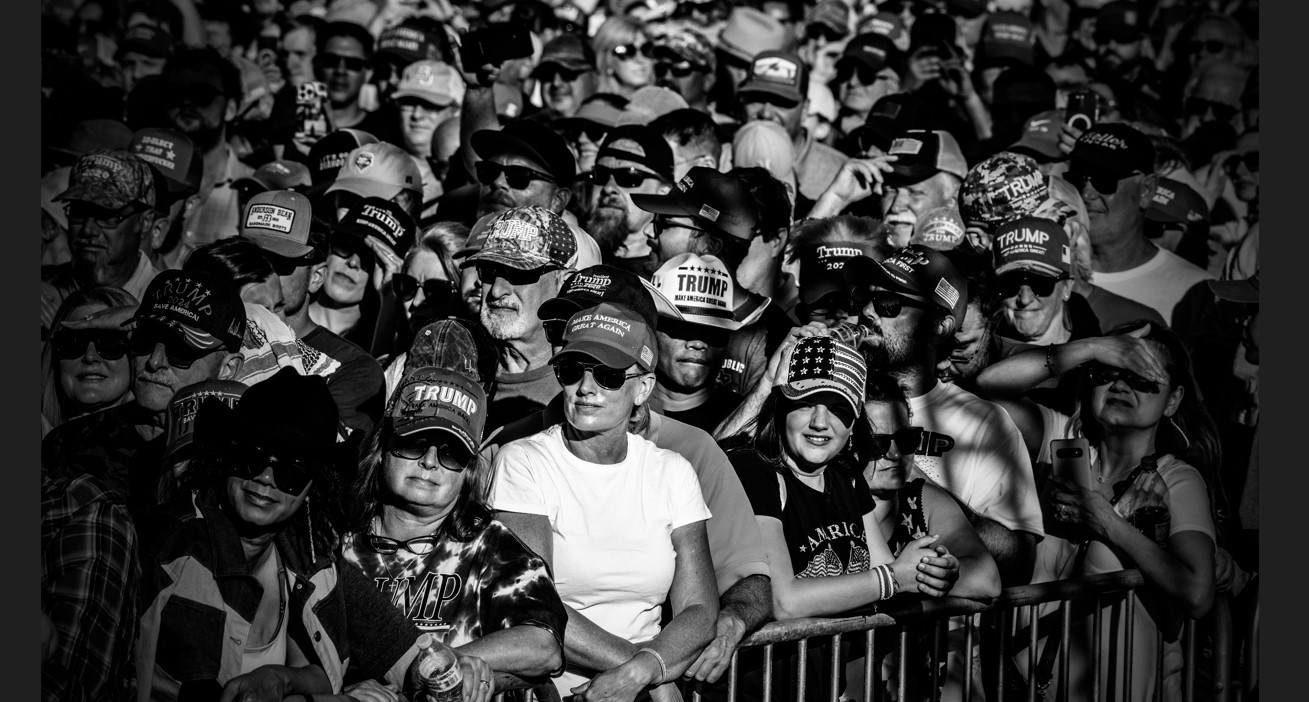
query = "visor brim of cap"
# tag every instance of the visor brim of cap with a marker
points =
(1037, 267)
(791, 393)
(825, 285)
(763, 88)
(441, 100)
(513, 259)
(79, 193)
(492, 143)
(562, 308)
(1239, 291)
(182, 331)
(604, 353)
(368, 188)
(409, 427)
(579, 65)
(278, 245)
(863, 272)
(902, 174)
(863, 60)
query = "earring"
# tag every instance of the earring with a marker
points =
(1186, 442)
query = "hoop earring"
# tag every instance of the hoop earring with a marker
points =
(1185, 440)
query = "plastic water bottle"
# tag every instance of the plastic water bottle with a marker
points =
(438, 667)
(1149, 510)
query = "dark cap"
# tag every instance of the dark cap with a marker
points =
(934, 28)
(408, 42)
(639, 145)
(1245, 291)
(921, 154)
(1034, 244)
(611, 334)
(821, 264)
(718, 201)
(328, 154)
(779, 73)
(568, 51)
(1040, 140)
(205, 311)
(1175, 202)
(1112, 149)
(1007, 36)
(276, 175)
(600, 283)
(147, 40)
(874, 51)
(382, 220)
(185, 407)
(1118, 21)
(915, 270)
(890, 117)
(440, 399)
(685, 44)
(173, 154)
(93, 134)
(110, 178)
(532, 139)
(600, 109)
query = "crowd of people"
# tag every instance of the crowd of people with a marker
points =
(588, 338)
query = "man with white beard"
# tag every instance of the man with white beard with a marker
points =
(633, 159)
(527, 254)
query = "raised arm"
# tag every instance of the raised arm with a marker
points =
(1019, 373)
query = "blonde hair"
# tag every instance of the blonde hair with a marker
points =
(614, 32)
(52, 394)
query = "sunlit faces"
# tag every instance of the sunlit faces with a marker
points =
(890, 341)
(498, 194)
(343, 67)
(431, 483)
(156, 379)
(817, 428)
(1121, 405)
(891, 471)
(1032, 303)
(901, 206)
(259, 503)
(860, 88)
(511, 298)
(765, 106)
(590, 406)
(970, 353)
(419, 120)
(100, 374)
(349, 268)
(690, 355)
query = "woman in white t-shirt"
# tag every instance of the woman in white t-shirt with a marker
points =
(620, 521)
(1139, 407)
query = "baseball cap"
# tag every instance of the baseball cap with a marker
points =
(916, 270)
(821, 264)
(1040, 139)
(147, 40)
(380, 219)
(173, 154)
(446, 343)
(1175, 202)
(601, 283)
(1112, 149)
(532, 139)
(750, 31)
(966, 9)
(921, 154)
(526, 238)
(875, 51)
(601, 109)
(887, 24)
(612, 334)
(684, 44)
(569, 51)
(1024, 87)
(205, 311)
(278, 221)
(378, 170)
(649, 103)
(832, 14)
(939, 228)
(439, 399)
(718, 201)
(433, 81)
(890, 117)
(93, 134)
(276, 175)
(1245, 291)
(110, 178)
(328, 154)
(1000, 188)
(1034, 244)
(701, 290)
(407, 43)
(638, 145)
(185, 407)
(779, 73)
(821, 364)
(1118, 21)
(1007, 36)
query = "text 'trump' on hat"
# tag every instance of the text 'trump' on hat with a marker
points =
(821, 265)
(526, 238)
(701, 289)
(110, 178)
(1034, 244)
(382, 220)
(205, 311)
(1000, 188)
(439, 399)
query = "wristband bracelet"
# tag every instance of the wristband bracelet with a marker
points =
(890, 576)
(663, 668)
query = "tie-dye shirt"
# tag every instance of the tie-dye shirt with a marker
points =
(462, 591)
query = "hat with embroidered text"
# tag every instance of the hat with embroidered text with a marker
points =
(1112, 149)
(1040, 138)
(719, 202)
(779, 73)
(328, 154)
(888, 25)
(1175, 202)
(939, 228)
(526, 238)
(408, 42)
(147, 40)
(378, 170)
(750, 31)
(921, 154)
(601, 283)
(110, 178)
(382, 220)
(438, 399)
(701, 289)
(185, 407)
(914, 270)
(278, 221)
(1034, 244)
(1000, 188)
(821, 364)
(612, 334)
(1007, 36)
(431, 81)
(872, 51)
(276, 175)
(821, 264)
(173, 154)
(640, 146)
(205, 311)
(531, 139)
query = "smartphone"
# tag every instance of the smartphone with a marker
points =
(312, 120)
(1083, 109)
(1070, 461)
(494, 44)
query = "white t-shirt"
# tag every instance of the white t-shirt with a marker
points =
(1158, 283)
(612, 525)
(987, 466)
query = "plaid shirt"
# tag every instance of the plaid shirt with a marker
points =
(89, 579)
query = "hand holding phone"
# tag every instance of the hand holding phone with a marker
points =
(1082, 110)
(1070, 461)
(313, 120)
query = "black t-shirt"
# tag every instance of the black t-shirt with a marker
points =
(358, 386)
(720, 403)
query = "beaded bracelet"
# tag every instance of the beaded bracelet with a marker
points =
(663, 668)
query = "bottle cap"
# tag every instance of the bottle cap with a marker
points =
(424, 641)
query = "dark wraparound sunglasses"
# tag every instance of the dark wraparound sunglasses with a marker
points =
(69, 344)
(291, 474)
(624, 177)
(1100, 374)
(516, 177)
(143, 340)
(627, 52)
(887, 304)
(1103, 184)
(571, 372)
(415, 446)
(346, 246)
(1042, 286)
(353, 64)
(906, 440)
(435, 290)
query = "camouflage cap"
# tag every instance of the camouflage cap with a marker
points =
(686, 44)
(1002, 187)
(527, 238)
(110, 178)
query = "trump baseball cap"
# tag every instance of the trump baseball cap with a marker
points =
(921, 154)
(1175, 202)
(601, 283)
(110, 178)
(1033, 244)
(917, 271)
(185, 407)
(720, 202)
(205, 311)
(1000, 188)
(611, 334)
(382, 220)
(526, 238)
(279, 221)
(821, 264)
(439, 399)
(939, 228)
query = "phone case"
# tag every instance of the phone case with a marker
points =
(1082, 110)
(311, 110)
(1075, 464)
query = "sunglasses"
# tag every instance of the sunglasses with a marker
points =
(1208, 46)
(415, 446)
(1103, 184)
(886, 304)
(624, 177)
(713, 337)
(1100, 374)
(516, 177)
(1041, 286)
(547, 74)
(677, 69)
(435, 290)
(660, 224)
(1198, 107)
(142, 342)
(1249, 158)
(291, 475)
(571, 372)
(867, 76)
(346, 246)
(488, 273)
(821, 31)
(419, 545)
(69, 344)
(328, 62)
(192, 93)
(906, 440)
(628, 52)
(79, 212)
